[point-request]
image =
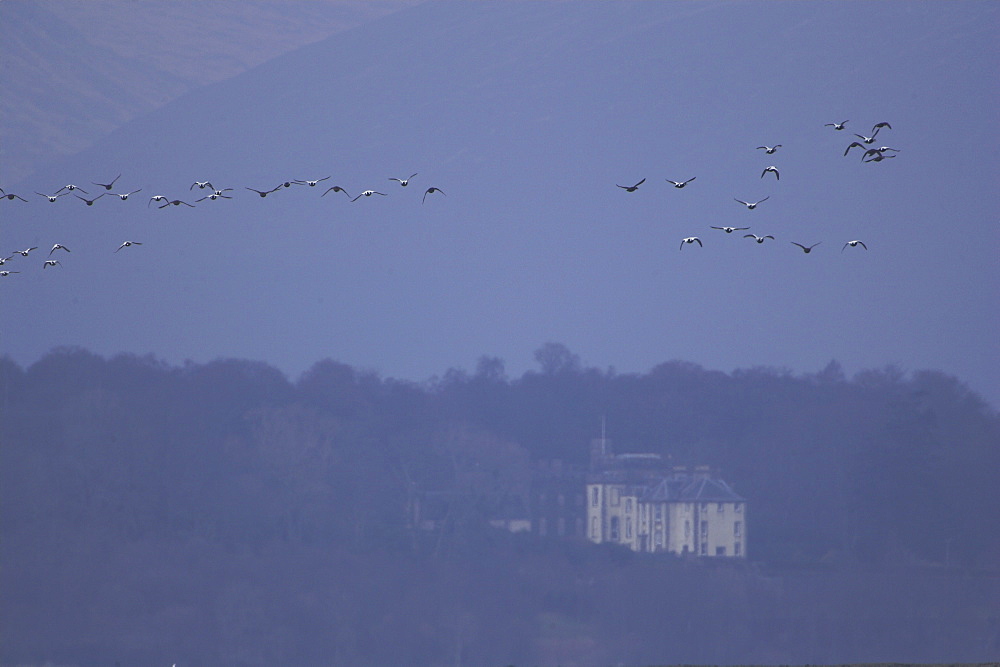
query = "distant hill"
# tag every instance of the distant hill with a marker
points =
(72, 72)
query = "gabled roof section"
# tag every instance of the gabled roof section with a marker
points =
(709, 490)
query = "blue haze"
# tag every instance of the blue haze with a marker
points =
(527, 115)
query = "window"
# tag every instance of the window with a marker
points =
(595, 495)
(628, 528)
(687, 528)
(703, 551)
(737, 528)
(615, 496)
(614, 528)
(722, 508)
(720, 551)
(704, 530)
(628, 505)
(659, 511)
(658, 539)
(593, 528)
(736, 549)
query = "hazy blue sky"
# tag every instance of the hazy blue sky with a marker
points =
(527, 116)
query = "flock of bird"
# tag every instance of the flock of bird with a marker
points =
(870, 155)
(209, 192)
(163, 201)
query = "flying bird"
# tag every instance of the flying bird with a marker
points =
(876, 157)
(24, 253)
(853, 144)
(730, 230)
(876, 127)
(51, 262)
(691, 239)
(175, 202)
(54, 197)
(11, 195)
(335, 188)
(202, 185)
(854, 244)
(752, 204)
(3, 260)
(769, 149)
(156, 198)
(368, 193)
(433, 190)
(90, 202)
(868, 140)
(127, 244)
(4, 274)
(213, 197)
(402, 181)
(58, 246)
(882, 149)
(108, 186)
(631, 188)
(837, 126)
(72, 187)
(758, 239)
(681, 184)
(806, 249)
(264, 193)
(312, 184)
(124, 196)
(771, 168)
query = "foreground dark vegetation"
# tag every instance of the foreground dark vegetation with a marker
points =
(220, 513)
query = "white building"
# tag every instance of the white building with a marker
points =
(637, 501)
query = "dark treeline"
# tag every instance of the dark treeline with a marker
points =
(220, 513)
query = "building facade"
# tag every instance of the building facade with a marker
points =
(639, 501)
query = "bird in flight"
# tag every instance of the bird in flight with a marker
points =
(432, 191)
(156, 198)
(108, 186)
(868, 140)
(72, 187)
(631, 188)
(876, 156)
(758, 239)
(368, 193)
(681, 184)
(213, 197)
(312, 184)
(876, 127)
(127, 244)
(264, 193)
(730, 230)
(58, 246)
(752, 204)
(11, 195)
(24, 253)
(806, 249)
(54, 197)
(51, 262)
(124, 196)
(402, 181)
(691, 239)
(90, 202)
(853, 144)
(335, 188)
(854, 244)
(4, 274)
(837, 126)
(202, 185)
(773, 169)
(769, 149)
(175, 202)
